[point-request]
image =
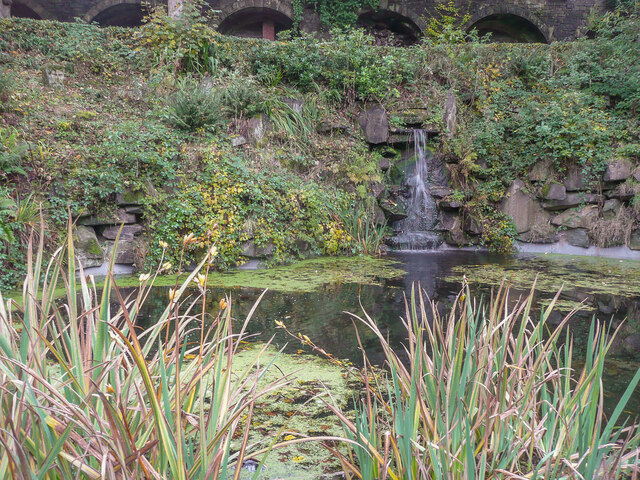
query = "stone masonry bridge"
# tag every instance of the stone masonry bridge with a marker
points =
(507, 20)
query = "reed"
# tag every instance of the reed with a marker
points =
(85, 394)
(487, 392)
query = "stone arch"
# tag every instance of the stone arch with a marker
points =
(390, 27)
(256, 18)
(29, 9)
(510, 24)
(125, 13)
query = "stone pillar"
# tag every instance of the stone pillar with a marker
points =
(269, 30)
(5, 8)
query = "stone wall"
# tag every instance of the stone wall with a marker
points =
(555, 19)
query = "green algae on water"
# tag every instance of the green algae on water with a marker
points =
(303, 276)
(587, 275)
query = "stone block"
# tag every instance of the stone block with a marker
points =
(634, 240)
(130, 198)
(554, 191)
(541, 171)
(574, 181)
(121, 216)
(572, 200)
(126, 252)
(576, 218)
(522, 207)
(251, 250)
(577, 237)
(618, 171)
(53, 76)
(128, 232)
(611, 208)
(375, 124)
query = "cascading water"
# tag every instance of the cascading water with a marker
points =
(417, 231)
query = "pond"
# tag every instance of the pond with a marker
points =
(316, 298)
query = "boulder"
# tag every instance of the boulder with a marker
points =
(128, 232)
(572, 200)
(618, 171)
(126, 252)
(541, 171)
(251, 250)
(576, 218)
(574, 181)
(554, 191)
(577, 237)
(375, 124)
(88, 250)
(522, 207)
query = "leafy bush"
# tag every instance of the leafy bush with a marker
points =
(235, 204)
(193, 107)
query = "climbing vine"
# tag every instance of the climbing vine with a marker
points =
(333, 13)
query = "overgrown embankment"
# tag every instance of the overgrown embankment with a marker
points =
(276, 150)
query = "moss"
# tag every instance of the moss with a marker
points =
(93, 247)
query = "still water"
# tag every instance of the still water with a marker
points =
(608, 289)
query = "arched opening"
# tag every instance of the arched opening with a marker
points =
(256, 22)
(508, 28)
(121, 15)
(20, 10)
(389, 28)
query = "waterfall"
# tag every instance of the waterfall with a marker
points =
(417, 231)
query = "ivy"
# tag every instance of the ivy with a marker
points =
(334, 13)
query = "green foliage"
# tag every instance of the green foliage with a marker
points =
(486, 391)
(193, 107)
(232, 204)
(446, 26)
(77, 369)
(12, 151)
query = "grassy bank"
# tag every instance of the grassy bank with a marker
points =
(134, 115)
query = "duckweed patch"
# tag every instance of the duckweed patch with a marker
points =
(582, 276)
(303, 276)
(298, 410)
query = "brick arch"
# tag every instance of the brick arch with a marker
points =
(488, 11)
(403, 9)
(102, 5)
(237, 6)
(38, 8)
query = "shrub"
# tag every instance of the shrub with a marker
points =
(193, 107)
